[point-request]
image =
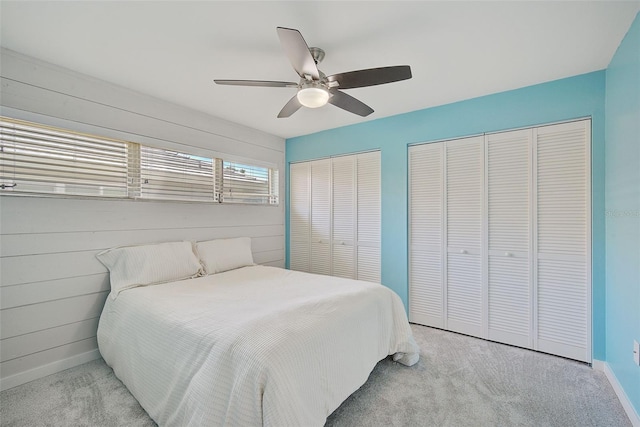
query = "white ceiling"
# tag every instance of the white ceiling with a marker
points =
(457, 50)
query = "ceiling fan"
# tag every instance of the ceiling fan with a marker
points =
(315, 89)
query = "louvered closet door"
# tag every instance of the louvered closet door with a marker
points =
(344, 211)
(508, 205)
(299, 216)
(368, 216)
(563, 246)
(321, 216)
(426, 234)
(464, 198)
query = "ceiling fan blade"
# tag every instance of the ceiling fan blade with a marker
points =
(371, 76)
(259, 83)
(349, 103)
(290, 107)
(298, 52)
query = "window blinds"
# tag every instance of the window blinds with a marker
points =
(41, 159)
(241, 183)
(172, 175)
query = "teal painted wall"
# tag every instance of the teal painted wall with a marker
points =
(570, 98)
(622, 194)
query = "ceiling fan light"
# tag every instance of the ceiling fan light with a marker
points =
(313, 97)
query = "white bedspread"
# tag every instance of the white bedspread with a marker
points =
(250, 347)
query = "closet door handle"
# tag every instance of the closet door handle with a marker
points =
(463, 251)
(508, 254)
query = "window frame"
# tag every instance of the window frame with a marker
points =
(135, 172)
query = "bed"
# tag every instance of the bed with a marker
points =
(251, 346)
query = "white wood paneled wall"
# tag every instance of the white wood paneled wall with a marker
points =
(52, 288)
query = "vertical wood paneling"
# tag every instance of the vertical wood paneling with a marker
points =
(52, 288)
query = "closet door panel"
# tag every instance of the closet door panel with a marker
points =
(299, 256)
(465, 190)
(500, 237)
(369, 263)
(563, 246)
(368, 216)
(464, 219)
(321, 217)
(426, 234)
(562, 313)
(509, 300)
(343, 261)
(299, 216)
(344, 215)
(508, 210)
(464, 294)
(508, 157)
(368, 190)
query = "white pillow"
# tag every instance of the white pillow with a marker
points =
(133, 266)
(225, 254)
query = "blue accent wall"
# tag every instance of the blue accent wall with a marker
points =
(570, 98)
(622, 194)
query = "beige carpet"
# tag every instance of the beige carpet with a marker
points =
(459, 381)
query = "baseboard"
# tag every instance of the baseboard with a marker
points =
(622, 396)
(51, 368)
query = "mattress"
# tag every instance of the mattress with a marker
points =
(253, 346)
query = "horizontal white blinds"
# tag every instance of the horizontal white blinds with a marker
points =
(166, 174)
(242, 183)
(39, 159)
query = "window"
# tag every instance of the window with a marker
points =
(41, 159)
(171, 175)
(241, 183)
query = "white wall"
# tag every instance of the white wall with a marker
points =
(52, 288)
